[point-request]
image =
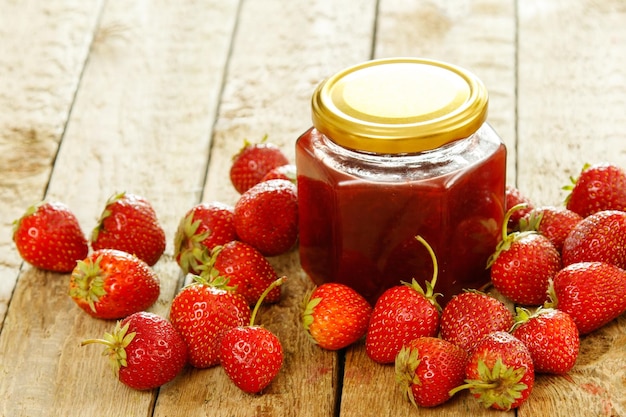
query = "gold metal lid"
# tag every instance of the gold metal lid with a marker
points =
(399, 105)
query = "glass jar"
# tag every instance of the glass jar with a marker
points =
(398, 148)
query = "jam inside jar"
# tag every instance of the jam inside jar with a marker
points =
(380, 166)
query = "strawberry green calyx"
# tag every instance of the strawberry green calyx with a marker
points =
(429, 293)
(553, 300)
(499, 386)
(269, 288)
(218, 282)
(105, 213)
(523, 315)
(507, 239)
(89, 279)
(115, 345)
(308, 305)
(188, 245)
(406, 364)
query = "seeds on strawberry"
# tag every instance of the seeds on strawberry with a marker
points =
(129, 223)
(335, 315)
(253, 162)
(555, 223)
(48, 237)
(283, 172)
(111, 284)
(599, 187)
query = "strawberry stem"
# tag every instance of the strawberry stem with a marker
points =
(269, 288)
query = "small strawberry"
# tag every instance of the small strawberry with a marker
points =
(472, 315)
(514, 197)
(246, 270)
(599, 187)
(111, 284)
(401, 314)
(551, 337)
(555, 223)
(129, 223)
(592, 293)
(428, 368)
(202, 312)
(204, 226)
(266, 216)
(598, 237)
(335, 315)
(145, 351)
(252, 355)
(500, 372)
(48, 237)
(283, 172)
(253, 162)
(523, 264)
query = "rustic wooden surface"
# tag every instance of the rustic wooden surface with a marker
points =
(154, 98)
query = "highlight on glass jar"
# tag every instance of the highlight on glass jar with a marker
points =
(400, 147)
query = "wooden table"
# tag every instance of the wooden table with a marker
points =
(154, 97)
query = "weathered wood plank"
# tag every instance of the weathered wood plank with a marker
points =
(141, 122)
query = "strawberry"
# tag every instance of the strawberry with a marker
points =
(551, 337)
(283, 172)
(555, 223)
(592, 293)
(599, 187)
(598, 237)
(48, 237)
(129, 223)
(144, 350)
(514, 197)
(402, 313)
(202, 312)
(472, 315)
(246, 269)
(253, 162)
(523, 264)
(428, 368)
(335, 315)
(252, 355)
(204, 226)
(111, 284)
(266, 216)
(500, 372)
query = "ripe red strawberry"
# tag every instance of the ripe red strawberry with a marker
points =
(401, 314)
(599, 187)
(253, 162)
(500, 372)
(48, 237)
(111, 284)
(144, 350)
(592, 293)
(266, 216)
(246, 270)
(514, 197)
(551, 337)
(335, 315)
(283, 172)
(202, 312)
(472, 315)
(204, 226)
(129, 223)
(252, 355)
(428, 368)
(522, 266)
(598, 237)
(555, 223)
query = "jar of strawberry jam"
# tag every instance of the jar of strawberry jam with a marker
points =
(399, 148)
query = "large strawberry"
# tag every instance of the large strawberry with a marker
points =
(402, 313)
(144, 350)
(592, 293)
(428, 368)
(204, 226)
(555, 223)
(111, 284)
(551, 337)
(599, 187)
(598, 237)
(335, 315)
(48, 236)
(246, 269)
(129, 223)
(472, 315)
(266, 216)
(252, 355)
(253, 162)
(202, 312)
(500, 372)
(523, 264)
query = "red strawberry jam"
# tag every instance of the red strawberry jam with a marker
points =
(368, 184)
